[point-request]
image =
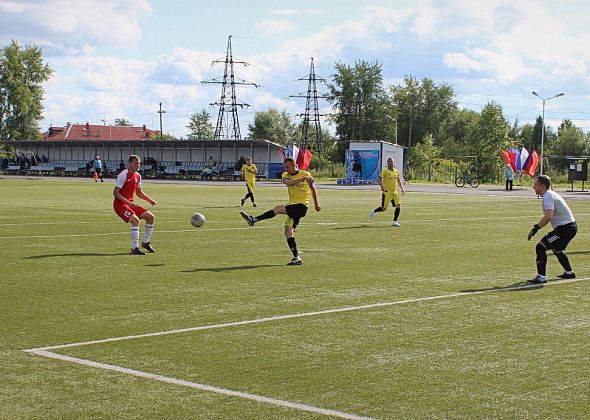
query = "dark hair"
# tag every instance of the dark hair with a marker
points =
(545, 180)
(133, 157)
(289, 160)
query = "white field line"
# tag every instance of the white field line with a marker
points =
(201, 387)
(410, 221)
(303, 315)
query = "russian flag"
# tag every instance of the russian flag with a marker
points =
(514, 159)
(291, 152)
(302, 157)
(524, 156)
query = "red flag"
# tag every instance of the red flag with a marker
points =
(531, 165)
(506, 155)
(304, 159)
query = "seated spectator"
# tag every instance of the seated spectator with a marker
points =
(207, 173)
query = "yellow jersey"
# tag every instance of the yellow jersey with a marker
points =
(249, 172)
(389, 178)
(300, 192)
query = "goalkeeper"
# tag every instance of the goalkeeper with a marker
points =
(556, 212)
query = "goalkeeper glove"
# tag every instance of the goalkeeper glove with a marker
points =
(533, 231)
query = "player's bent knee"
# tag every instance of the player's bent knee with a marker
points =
(288, 231)
(134, 220)
(148, 217)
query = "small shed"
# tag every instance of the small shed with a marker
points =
(366, 159)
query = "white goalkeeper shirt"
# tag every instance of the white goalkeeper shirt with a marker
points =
(562, 214)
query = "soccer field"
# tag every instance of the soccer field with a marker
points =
(432, 319)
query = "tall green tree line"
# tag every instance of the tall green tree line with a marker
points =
(22, 74)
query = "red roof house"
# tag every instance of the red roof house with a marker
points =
(81, 132)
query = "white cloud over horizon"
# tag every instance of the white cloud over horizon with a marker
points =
(491, 46)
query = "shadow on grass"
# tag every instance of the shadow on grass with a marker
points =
(578, 252)
(521, 286)
(75, 254)
(231, 268)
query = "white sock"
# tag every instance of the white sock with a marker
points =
(134, 237)
(147, 234)
(569, 272)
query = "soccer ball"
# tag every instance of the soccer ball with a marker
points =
(197, 220)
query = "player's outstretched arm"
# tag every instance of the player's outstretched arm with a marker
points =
(143, 196)
(314, 196)
(401, 184)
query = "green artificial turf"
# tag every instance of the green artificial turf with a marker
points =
(65, 276)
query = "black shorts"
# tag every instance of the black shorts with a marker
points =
(296, 212)
(560, 237)
(98, 171)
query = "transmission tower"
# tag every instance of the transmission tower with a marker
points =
(228, 124)
(311, 101)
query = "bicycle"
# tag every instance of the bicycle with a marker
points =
(466, 178)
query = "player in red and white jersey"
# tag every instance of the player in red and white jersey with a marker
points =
(128, 183)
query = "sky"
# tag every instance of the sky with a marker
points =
(120, 59)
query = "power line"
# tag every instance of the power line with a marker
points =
(311, 101)
(223, 129)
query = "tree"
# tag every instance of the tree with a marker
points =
(491, 138)
(458, 132)
(360, 104)
(122, 122)
(200, 126)
(7, 153)
(571, 141)
(548, 139)
(165, 136)
(425, 155)
(274, 126)
(422, 107)
(22, 74)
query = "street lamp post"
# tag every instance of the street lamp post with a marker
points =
(395, 121)
(543, 124)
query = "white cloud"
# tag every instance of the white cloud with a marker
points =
(364, 34)
(184, 67)
(112, 74)
(507, 68)
(274, 26)
(513, 39)
(71, 26)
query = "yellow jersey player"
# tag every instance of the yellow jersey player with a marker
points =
(388, 180)
(249, 171)
(300, 186)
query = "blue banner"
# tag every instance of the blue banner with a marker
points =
(363, 164)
